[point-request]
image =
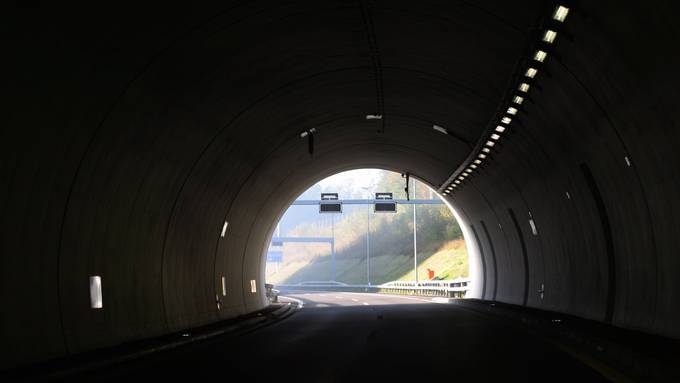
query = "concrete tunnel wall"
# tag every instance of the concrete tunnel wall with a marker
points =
(130, 137)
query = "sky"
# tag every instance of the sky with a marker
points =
(366, 177)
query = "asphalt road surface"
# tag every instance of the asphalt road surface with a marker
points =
(352, 337)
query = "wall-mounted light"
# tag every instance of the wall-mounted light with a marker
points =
(224, 229)
(500, 129)
(534, 231)
(506, 120)
(540, 56)
(473, 166)
(495, 136)
(524, 87)
(518, 100)
(485, 150)
(224, 286)
(561, 13)
(490, 143)
(512, 111)
(440, 129)
(549, 36)
(96, 301)
(457, 182)
(531, 72)
(478, 162)
(307, 132)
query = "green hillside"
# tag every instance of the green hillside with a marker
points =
(448, 262)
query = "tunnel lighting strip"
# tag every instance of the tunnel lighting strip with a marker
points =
(517, 94)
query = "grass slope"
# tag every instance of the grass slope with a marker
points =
(448, 262)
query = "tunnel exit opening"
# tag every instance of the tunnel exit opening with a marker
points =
(376, 239)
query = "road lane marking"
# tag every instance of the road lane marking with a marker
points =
(441, 300)
(394, 296)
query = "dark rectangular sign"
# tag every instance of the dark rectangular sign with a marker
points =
(332, 207)
(385, 207)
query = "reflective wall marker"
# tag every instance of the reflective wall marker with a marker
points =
(96, 301)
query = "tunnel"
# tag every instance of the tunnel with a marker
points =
(156, 147)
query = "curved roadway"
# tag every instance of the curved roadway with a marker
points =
(354, 337)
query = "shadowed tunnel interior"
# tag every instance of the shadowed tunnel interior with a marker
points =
(131, 135)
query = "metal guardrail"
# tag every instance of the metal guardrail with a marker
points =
(453, 288)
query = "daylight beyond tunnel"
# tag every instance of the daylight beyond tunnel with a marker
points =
(362, 244)
(147, 155)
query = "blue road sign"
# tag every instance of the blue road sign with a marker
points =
(275, 256)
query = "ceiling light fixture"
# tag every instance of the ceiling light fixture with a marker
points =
(490, 144)
(561, 13)
(518, 100)
(524, 87)
(506, 120)
(485, 150)
(531, 72)
(512, 111)
(549, 36)
(540, 56)
(374, 116)
(495, 137)
(500, 129)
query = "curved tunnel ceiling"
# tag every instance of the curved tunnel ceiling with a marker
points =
(135, 134)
